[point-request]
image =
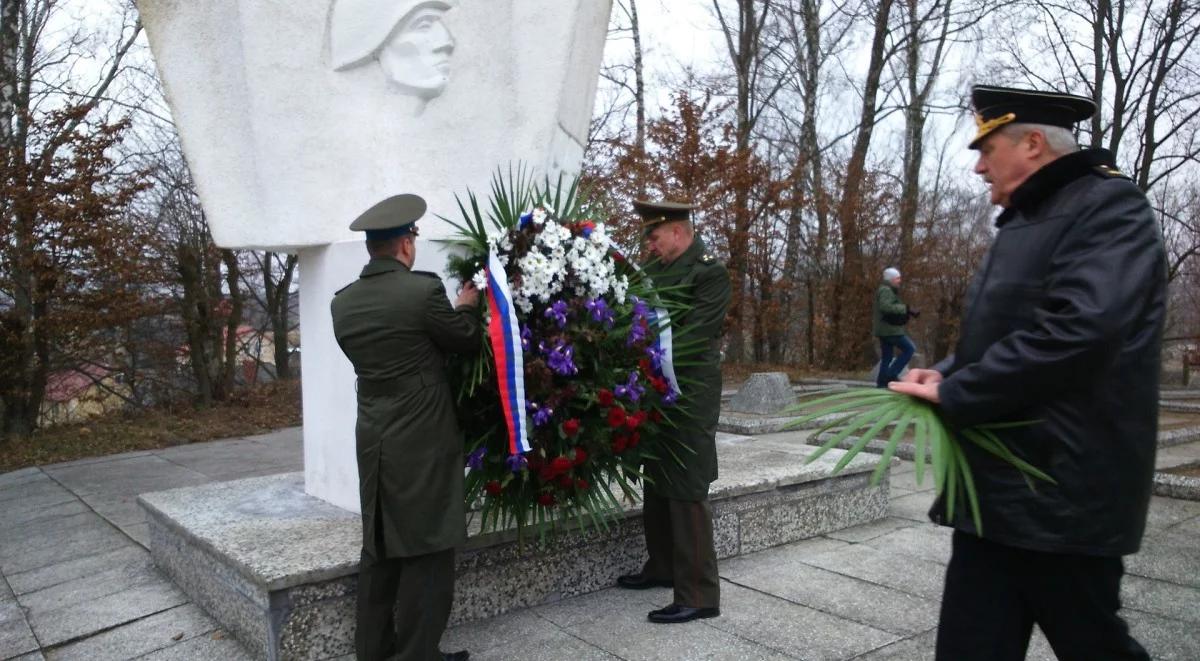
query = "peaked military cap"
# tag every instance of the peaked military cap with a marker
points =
(392, 217)
(997, 106)
(654, 213)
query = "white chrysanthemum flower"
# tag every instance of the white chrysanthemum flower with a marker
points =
(480, 279)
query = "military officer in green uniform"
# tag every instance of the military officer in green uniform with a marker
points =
(677, 514)
(396, 325)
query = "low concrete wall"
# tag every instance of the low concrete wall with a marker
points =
(278, 567)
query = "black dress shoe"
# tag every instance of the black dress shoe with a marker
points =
(461, 655)
(675, 613)
(640, 581)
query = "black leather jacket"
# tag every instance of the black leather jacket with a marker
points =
(1064, 325)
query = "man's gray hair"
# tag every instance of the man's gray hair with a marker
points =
(1059, 139)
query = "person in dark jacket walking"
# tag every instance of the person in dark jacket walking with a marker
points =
(888, 317)
(395, 325)
(1063, 328)
(676, 511)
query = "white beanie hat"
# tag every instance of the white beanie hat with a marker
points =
(891, 273)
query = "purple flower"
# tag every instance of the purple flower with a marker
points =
(670, 397)
(541, 414)
(562, 359)
(516, 462)
(600, 311)
(526, 338)
(656, 355)
(637, 333)
(525, 219)
(558, 312)
(630, 389)
(475, 459)
(640, 309)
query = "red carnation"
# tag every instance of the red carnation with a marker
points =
(581, 484)
(560, 465)
(605, 397)
(635, 420)
(534, 461)
(616, 416)
(571, 427)
(619, 443)
(545, 499)
(645, 365)
(493, 488)
(660, 384)
(634, 439)
(656, 416)
(580, 456)
(565, 482)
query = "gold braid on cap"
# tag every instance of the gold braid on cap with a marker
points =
(987, 126)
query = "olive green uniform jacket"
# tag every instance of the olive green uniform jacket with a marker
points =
(395, 326)
(887, 300)
(701, 284)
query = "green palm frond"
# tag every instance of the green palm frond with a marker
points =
(872, 411)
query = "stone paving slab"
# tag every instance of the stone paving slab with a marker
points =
(892, 568)
(209, 647)
(21, 476)
(16, 638)
(62, 572)
(169, 628)
(869, 531)
(626, 634)
(785, 573)
(1166, 639)
(11, 518)
(796, 630)
(89, 617)
(1179, 602)
(132, 475)
(111, 580)
(1166, 558)
(65, 545)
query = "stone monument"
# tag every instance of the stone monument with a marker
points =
(765, 393)
(296, 116)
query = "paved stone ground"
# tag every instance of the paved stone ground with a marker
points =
(77, 583)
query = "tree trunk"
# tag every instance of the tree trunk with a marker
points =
(850, 328)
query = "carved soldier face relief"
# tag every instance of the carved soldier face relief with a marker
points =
(410, 40)
(417, 56)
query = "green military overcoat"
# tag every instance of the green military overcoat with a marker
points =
(887, 300)
(396, 325)
(699, 283)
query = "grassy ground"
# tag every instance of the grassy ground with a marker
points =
(252, 411)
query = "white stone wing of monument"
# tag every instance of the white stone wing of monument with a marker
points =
(295, 116)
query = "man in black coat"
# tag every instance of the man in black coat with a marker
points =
(1063, 327)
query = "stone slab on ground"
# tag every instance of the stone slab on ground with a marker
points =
(277, 567)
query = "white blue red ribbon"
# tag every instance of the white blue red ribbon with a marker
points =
(505, 336)
(661, 319)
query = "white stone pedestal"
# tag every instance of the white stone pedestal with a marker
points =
(330, 404)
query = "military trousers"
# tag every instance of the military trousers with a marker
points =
(995, 593)
(679, 537)
(416, 593)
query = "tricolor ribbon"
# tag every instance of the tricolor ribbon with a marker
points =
(660, 318)
(505, 336)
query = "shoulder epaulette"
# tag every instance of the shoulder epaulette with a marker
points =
(342, 289)
(1110, 172)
